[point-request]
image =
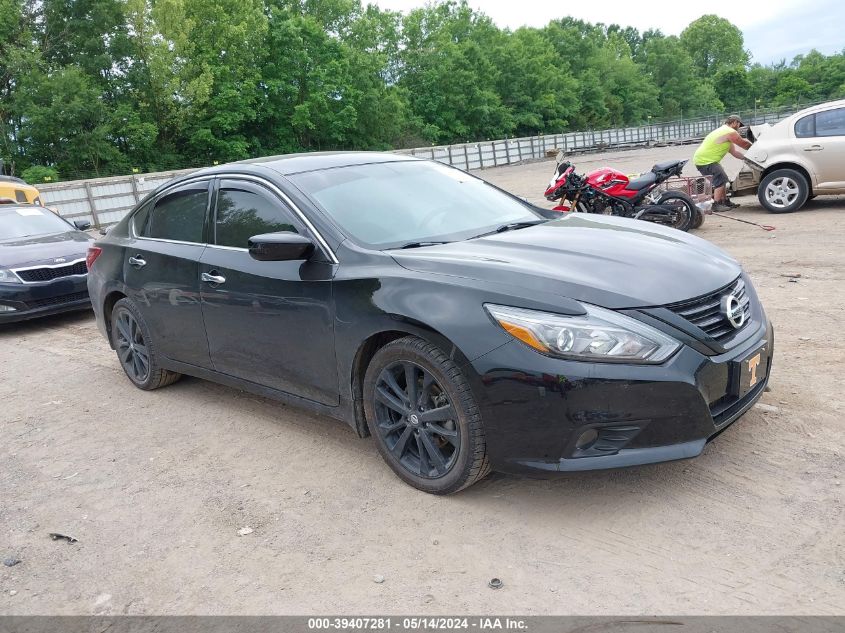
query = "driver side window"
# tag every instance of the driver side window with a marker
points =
(245, 209)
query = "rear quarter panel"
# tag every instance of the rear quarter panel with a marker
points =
(105, 277)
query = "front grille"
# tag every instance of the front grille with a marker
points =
(706, 312)
(57, 301)
(32, 275)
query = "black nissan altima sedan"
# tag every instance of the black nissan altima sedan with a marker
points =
(457, 324)
(42, 263)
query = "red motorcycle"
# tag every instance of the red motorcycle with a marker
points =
(610, 192)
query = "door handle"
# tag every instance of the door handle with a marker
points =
(213, 279)
(814, 148)
(137, 261)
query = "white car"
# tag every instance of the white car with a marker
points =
(800, 157)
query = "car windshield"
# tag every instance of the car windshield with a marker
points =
(388, 205)
(25, 221)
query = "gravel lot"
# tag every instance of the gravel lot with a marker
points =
(155, 486)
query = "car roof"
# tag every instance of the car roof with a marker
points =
(17, 181)
(820, 106)
(289, 164)
(7, 209)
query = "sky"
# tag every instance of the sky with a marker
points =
(773, 29)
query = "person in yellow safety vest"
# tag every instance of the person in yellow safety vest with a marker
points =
(710, 153)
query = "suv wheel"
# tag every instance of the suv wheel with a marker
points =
(783, 191)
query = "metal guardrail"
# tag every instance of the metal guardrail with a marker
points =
(105, 201)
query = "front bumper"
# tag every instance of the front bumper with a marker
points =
(536, 408)
(35, 300)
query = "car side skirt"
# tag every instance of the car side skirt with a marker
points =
(341, 412)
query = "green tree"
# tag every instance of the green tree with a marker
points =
(824, 74)
(714, 43)
(445, 47)
(214, 47)
(682, 92)
(541, 96)
(762, 81)
(792, 89)
(37, 174)
(100, 86)
(19, 59)
(733, 87)
(65, 123)
(88, 34)
(630, 96)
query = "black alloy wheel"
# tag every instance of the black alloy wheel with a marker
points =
(422, 413)
(135, 348)
(131, 347)
(416, 420)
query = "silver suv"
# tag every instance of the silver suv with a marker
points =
(798, 158)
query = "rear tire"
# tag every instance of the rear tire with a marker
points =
(423, 416)
(783, 191)
(135, 349)
(699, 219)
(684, 206)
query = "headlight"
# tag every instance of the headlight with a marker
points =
(600, 335)
(8, 277)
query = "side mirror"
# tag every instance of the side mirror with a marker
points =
(82, 225)
(280, 247)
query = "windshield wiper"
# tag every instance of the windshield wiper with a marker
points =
(418, 244)
(513, 226)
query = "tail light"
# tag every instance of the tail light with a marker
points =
(93, 254)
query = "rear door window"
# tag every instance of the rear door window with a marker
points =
(831, 123)
(245, 209)
(20, 196)
(180, 215)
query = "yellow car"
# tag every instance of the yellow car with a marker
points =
(16, 191)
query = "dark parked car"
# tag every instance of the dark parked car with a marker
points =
(42, 263)
(452, 321)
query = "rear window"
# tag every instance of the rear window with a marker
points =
(806, 126)
(25, 221)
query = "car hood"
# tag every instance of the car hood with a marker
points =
(611, 262)
(33, 249)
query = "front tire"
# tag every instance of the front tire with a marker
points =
(783, 191)
(422, 414)
(135, 349)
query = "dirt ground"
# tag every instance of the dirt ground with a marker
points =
(155, 486)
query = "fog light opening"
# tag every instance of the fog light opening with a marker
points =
(586, 439)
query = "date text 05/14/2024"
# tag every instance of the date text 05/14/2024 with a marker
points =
(430, 623)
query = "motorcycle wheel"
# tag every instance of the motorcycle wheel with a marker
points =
(684, 206)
